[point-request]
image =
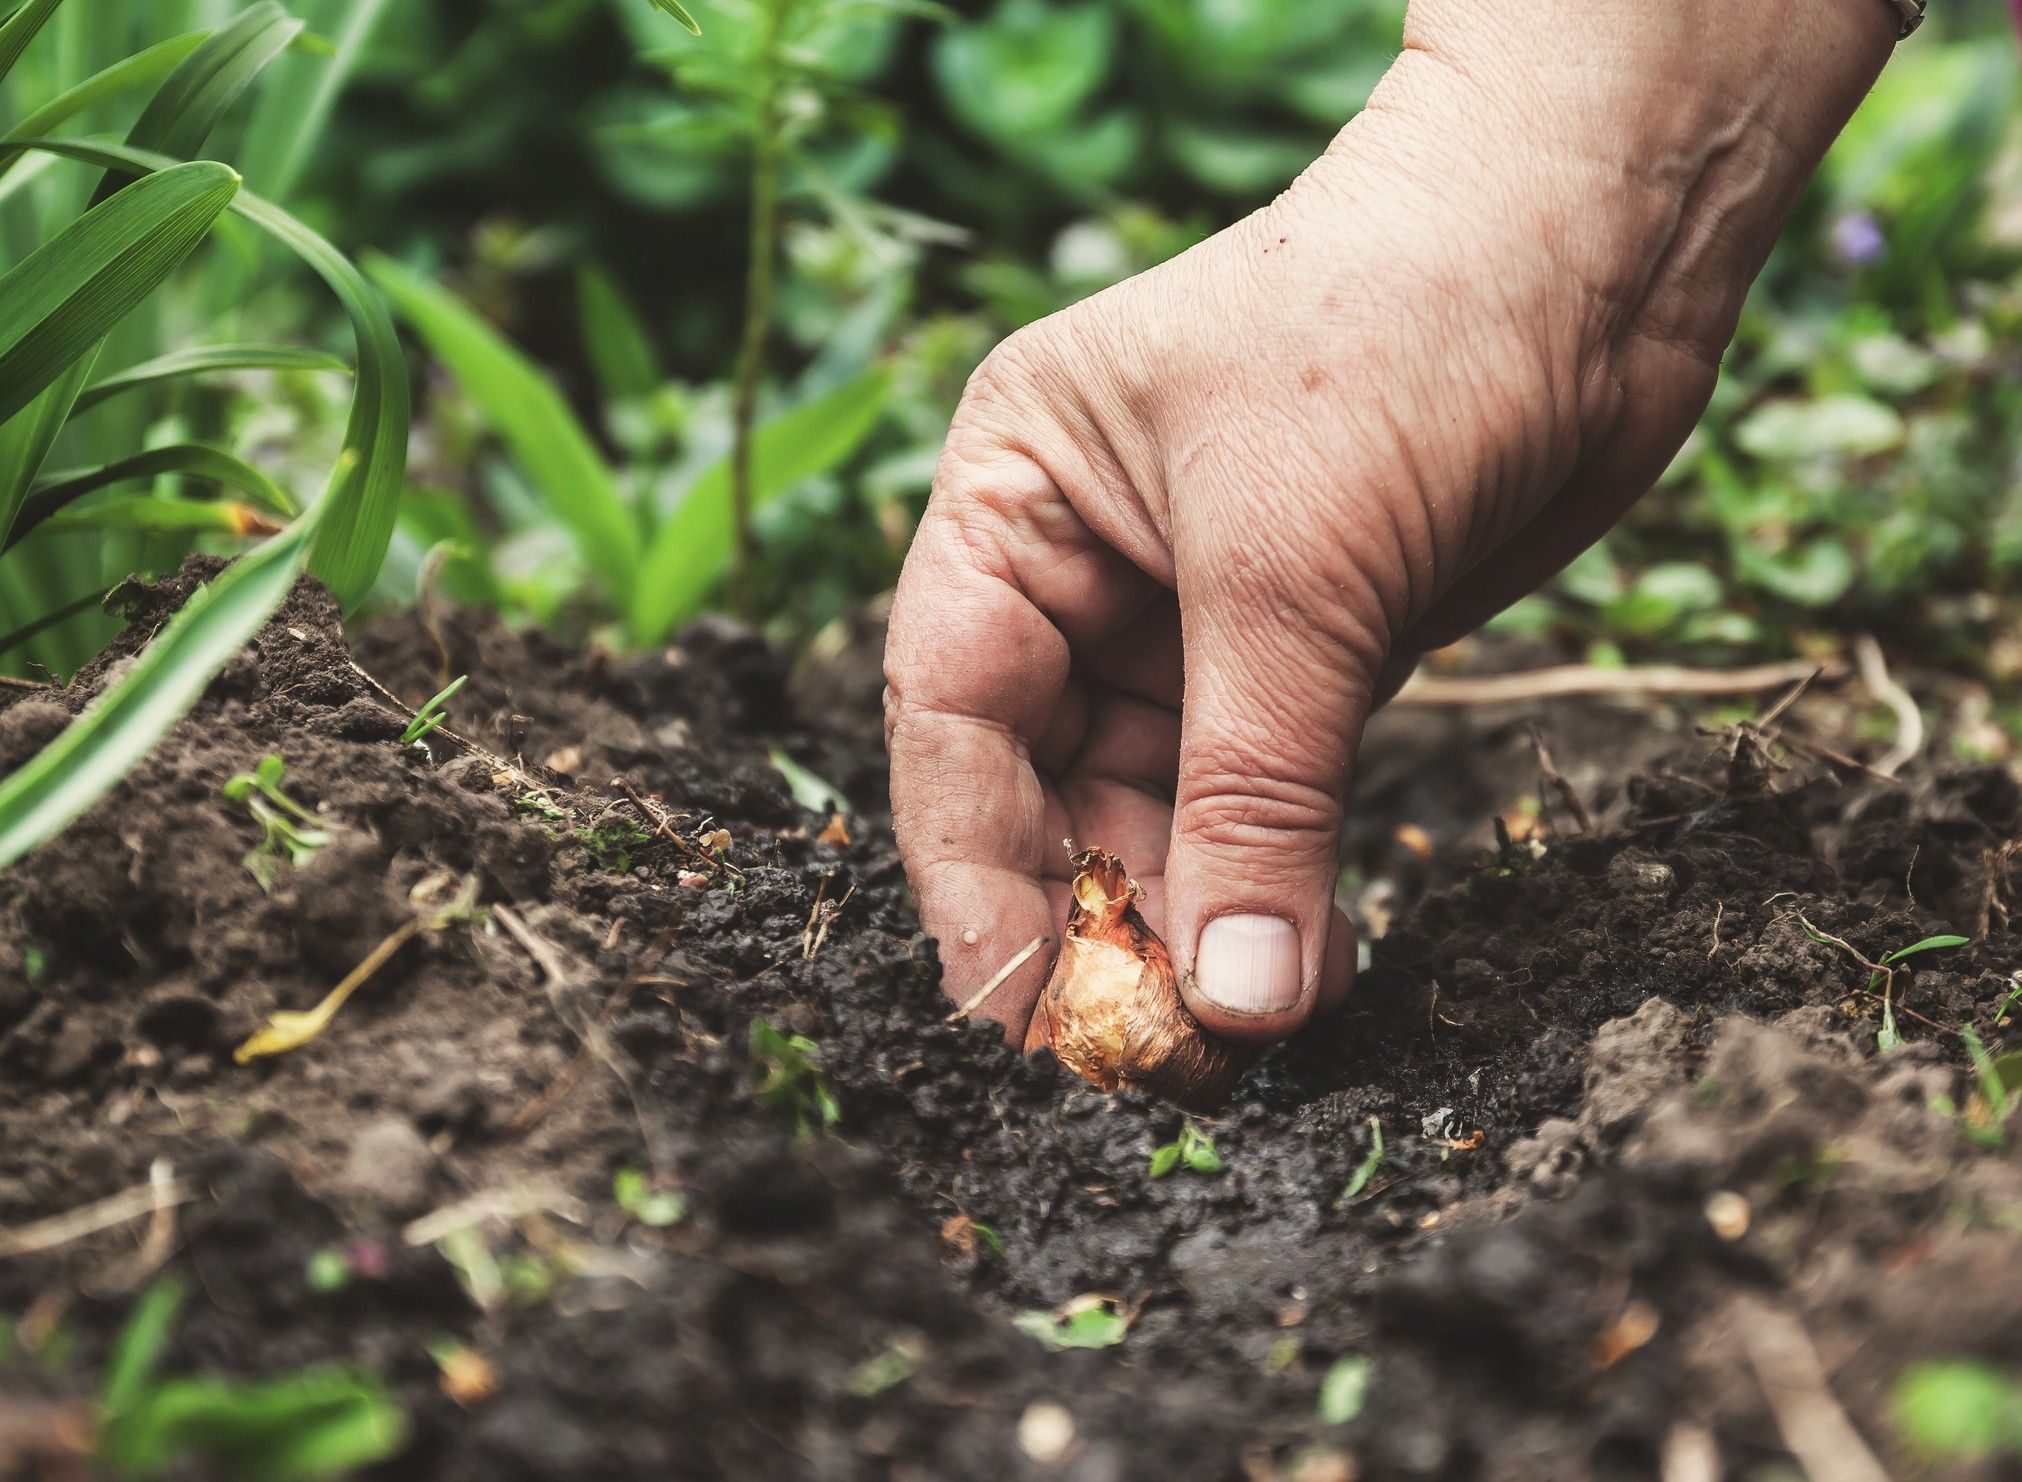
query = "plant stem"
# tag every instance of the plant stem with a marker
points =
(762, 249)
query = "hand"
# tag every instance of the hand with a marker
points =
(1185, 536)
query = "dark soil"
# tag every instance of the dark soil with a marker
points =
(1569, 1055)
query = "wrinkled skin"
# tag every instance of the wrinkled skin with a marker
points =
(1185, 535)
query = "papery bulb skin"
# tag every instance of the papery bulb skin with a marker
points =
(1112, 1011)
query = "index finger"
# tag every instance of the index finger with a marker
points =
(1001, 576)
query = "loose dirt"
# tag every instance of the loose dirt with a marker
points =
(1648, 1199)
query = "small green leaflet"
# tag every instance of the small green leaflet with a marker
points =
(1345, 1389)
(1094, 1323)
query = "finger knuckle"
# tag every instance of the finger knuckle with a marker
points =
(1234, 805)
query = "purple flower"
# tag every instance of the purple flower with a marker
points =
(1857, 238)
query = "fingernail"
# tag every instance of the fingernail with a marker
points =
(1249, 964)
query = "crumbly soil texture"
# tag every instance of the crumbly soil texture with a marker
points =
(649, 1149)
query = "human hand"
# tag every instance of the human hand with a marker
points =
(1185, 535)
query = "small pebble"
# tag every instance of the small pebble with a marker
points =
(1046, 1432)
(1728, 1213)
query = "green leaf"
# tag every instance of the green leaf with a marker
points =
(1097, 1325)
(1928, 944)
(321, 1422)
(153, 514)
(646, 1204)
(1202, 1158)
(530, 416)
(192, 460)
(680, 13)
(135, 71)
(138, 1349)
(1345, 1389)
(60, 300)
(189, 104)
(1164, 1160)
(1958, 1409)
(205, 360)
(1846, 426)
(19, 29)
(363, 494)
(299, 96)
(619, 349)
(810, 791)
(1814, 574)
(1366, 1169)
(692, 548)
(91, 755)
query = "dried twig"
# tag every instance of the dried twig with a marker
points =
(1874, 672)
(1563, 788)
(997, 980)
(103, 1214)
(1588, 679)
(1794, 1382)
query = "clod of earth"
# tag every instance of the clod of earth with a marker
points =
(1112, 1010)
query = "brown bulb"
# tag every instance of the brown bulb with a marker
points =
(1112, 1010)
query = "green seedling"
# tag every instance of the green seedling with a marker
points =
(1345, 1389)
(810, 791)
(611, 843)
(1089, 1321)
(290, 833)
(786, 1076)
(2013, 996)
(990, 1239)
(1881, 975)
(1958, 1410)
(1365, 1170)
(328, 1271)
(540, 803)
(891, 1367)
(649, 1206)
(324, 1421)
(1995, 1097)
(431, 715)
(1191, 1150)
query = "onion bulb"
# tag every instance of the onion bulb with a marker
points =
(1112, 1011)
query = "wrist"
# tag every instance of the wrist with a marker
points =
(1652, 151)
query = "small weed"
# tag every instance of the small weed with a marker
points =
(34, 962)
(540, 803)
(317, 1422)
(431, 715)
(1366, 1170)
(1191, 1150)
(290, 833)
(1958, 1410)
(649, 1206)
(1345, 1389)
(328, 1271)
(2014, 995)
(787, 1077)
(1090, 1321)
(1881, 977)
(893, 1366)
(1985, 1117)
(611, 843)
(1511, 856)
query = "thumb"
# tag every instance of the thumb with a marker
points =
(1278, 687)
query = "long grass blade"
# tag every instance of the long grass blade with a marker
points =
(214, 465)
(97, 749)
(693, 547)
(206, 360)
(60, 300)
(533, 420)
(154, 514)
(185, 108)
(129, 72)
(296, 102)
(20, 28)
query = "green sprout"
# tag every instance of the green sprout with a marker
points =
(787, 1077)
(1192, 1150)
(1345, 1389)
(290, 833)
(1958, 1410)
(1986, 1115)
(1365, 1170)
(318, 1422)
(611, 843)
(539, 802)
(649, 1206)
(1881, 977)
(1090, 1321)
(431, 715)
